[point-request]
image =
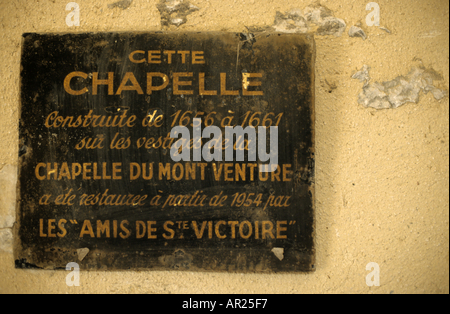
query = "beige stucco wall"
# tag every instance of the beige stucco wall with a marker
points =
(382, 190)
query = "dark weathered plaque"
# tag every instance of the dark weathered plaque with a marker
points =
(98, 175)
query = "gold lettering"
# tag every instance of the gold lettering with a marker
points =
(103, 228)
(41, 229)
(199, 233)
(201, 86)
(286, 172)
(86, 171)
(241, 229)
(131, 56)
(183, 54)
(223, 86)
(228, 171)
(87, 229)
(166, 228)
(246, 83)
(126, 232)
(280, 229)
(150, 229)
(151, 87)
(53, 171)
(154, 56)
(116, 170)
(174, 171)
(139, 225)
(197, 57)
(129, 76)
(177, 83)
(169, 54)
(63, 232)
(267, 231)
(233, 228)
(67, 83)
(164, 171)
(221, 222)
(36, 171)
(109, 82)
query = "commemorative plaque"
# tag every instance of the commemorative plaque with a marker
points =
(188, 151)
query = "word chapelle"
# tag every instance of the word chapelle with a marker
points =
(157, 81)
(216, 144)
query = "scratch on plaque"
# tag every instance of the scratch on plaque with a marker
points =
(82, 253)
(279, 252)
(246, 40)
(245, 81)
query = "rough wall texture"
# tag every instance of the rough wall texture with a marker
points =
(382, 191)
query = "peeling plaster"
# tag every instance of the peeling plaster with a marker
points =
(6, 240)
(8, 181)
(356, 31)
(124, 4)
(174, 12)
(402, 89)
(178, 260)
(363, 74)
(279, 252)
(82, 253)
(315, 18)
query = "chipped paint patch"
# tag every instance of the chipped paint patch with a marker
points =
(6, 240)
(124, 4)
(82, 253)
(356, 31)
(178, 260)
(314, 18)
(291, 22)
(8, 181)
(363, 74)
(7, 221)
(402, 89)
(279, 252)
(174, 12)
(430, 34)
